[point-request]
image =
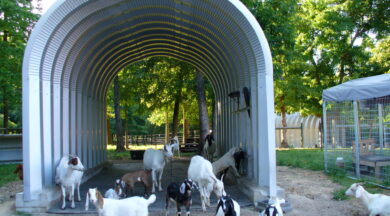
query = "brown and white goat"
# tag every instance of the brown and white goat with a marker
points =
(69, 173)
(129, 179)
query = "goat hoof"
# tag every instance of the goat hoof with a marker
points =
(63, 207)
(73, 206)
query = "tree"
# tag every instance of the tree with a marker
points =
(203, 115)
(278, 19)
(16, 20)
(152, 88)
(380, 59)
(336, 38)
(120, 146)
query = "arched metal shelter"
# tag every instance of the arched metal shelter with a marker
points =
(78, 46)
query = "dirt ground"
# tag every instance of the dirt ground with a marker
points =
(309, 192)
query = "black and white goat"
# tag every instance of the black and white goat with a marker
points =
(181, 195)
(116, 192)
(209, 149)
(227, 207)
(273, 208)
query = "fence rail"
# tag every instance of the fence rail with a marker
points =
(11, 148)
(10, 130)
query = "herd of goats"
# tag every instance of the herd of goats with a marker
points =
(201, 175)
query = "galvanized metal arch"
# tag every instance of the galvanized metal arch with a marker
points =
(78, 46)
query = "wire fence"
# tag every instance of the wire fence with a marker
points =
(357, 138)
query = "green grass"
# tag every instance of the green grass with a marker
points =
(311, 159)
(7, 174)
(113, 155)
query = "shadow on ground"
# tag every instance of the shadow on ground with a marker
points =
(176, 171)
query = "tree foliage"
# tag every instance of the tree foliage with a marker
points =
(16, 20)
(149, 89)
(317, 44)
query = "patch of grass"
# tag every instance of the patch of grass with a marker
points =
(187, 154)
(7, 174)
(340, 195)
(311, 159)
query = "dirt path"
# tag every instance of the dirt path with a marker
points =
(309, 192)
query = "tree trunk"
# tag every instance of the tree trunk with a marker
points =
(120, 147)
(166, 127)
(284, 143)
(5, 112)
(341, 72)
(109, 134)
(213, 123)
(176, 110)
(126, 131)
(5, 95)
(203, 116)
(186, 129)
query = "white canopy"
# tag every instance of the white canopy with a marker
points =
(359, 89)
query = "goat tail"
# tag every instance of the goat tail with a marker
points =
(151, 199)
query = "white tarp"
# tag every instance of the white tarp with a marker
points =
(359, 89)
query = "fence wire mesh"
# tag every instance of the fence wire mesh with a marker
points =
(358, 141)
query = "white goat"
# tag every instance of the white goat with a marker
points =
(175, 145)
(377, 204)
(201, 172)
(115, 193)
(226, 161)
(133, 206)
(69, 173)
(155, 160)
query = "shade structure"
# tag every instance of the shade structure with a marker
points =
(359, 89)
(78, 47)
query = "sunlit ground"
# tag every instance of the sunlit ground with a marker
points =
(137, 147)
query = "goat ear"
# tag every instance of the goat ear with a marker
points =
(100, 199)
(358, 192)
(223, 175)
(183, 188)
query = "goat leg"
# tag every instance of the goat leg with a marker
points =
(63, 197)
(72, 196)
(188, 205)
(178, 209)
(78, 192)
(159, 180)
(235, 171)
(166, 205)
(154, 179)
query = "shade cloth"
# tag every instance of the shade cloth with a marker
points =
(359, 89)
